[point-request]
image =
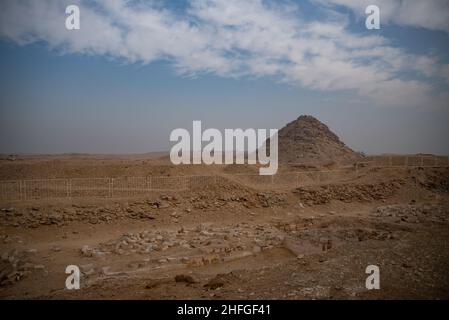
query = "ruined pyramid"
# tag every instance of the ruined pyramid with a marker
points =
(307, 140)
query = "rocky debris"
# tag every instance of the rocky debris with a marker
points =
(154, 283)
(411, 213)
(87, 269)
(171, 206)
(221, 280)
(436, 180)
(313, 236)
(271, 199)
(316, 195)
(202, 245)
(35, 217)
(89, 252)
(185, 278)
(16, 265)
(227, 193)
(296, 247)
(141, 215)
(6, 239)
(316, 292)
(307, 139)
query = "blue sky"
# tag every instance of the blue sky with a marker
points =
(139, 69)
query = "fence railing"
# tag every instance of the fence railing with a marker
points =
(407, 161)
(120, 187)
(388, 161)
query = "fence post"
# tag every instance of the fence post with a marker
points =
(24, 190)
(21, 190)
(111, 188)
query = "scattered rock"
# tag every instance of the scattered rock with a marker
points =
(185, 278)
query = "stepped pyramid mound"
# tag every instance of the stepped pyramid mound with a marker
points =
(308, 140)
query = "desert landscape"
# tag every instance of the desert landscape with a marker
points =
(139, 227)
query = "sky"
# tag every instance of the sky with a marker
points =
(138, 69)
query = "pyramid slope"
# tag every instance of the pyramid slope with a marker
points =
(308, 140)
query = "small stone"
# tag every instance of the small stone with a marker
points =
(214, 284)
(87, 251)
(185, 278)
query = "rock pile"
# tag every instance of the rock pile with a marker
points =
(414, 213)
(35, 216)
(308, 236)
(316, 195)
(308, 140)
(437, 180)
(16, 265)
(202, 245)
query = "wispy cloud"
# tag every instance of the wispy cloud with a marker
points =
(233, 38)
(429, 14)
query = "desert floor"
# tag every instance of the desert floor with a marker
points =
(230, 240)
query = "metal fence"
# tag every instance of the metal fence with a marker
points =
(407, 161)
(121, 187)
(88, 187)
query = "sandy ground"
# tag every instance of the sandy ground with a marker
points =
(230, 241)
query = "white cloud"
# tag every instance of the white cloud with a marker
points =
(429, 14)
(229, 38)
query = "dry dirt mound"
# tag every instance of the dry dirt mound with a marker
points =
(316, 195)
(433, 180)
(174, 207)
(307, 139)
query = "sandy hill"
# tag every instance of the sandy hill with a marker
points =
(308, 140)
